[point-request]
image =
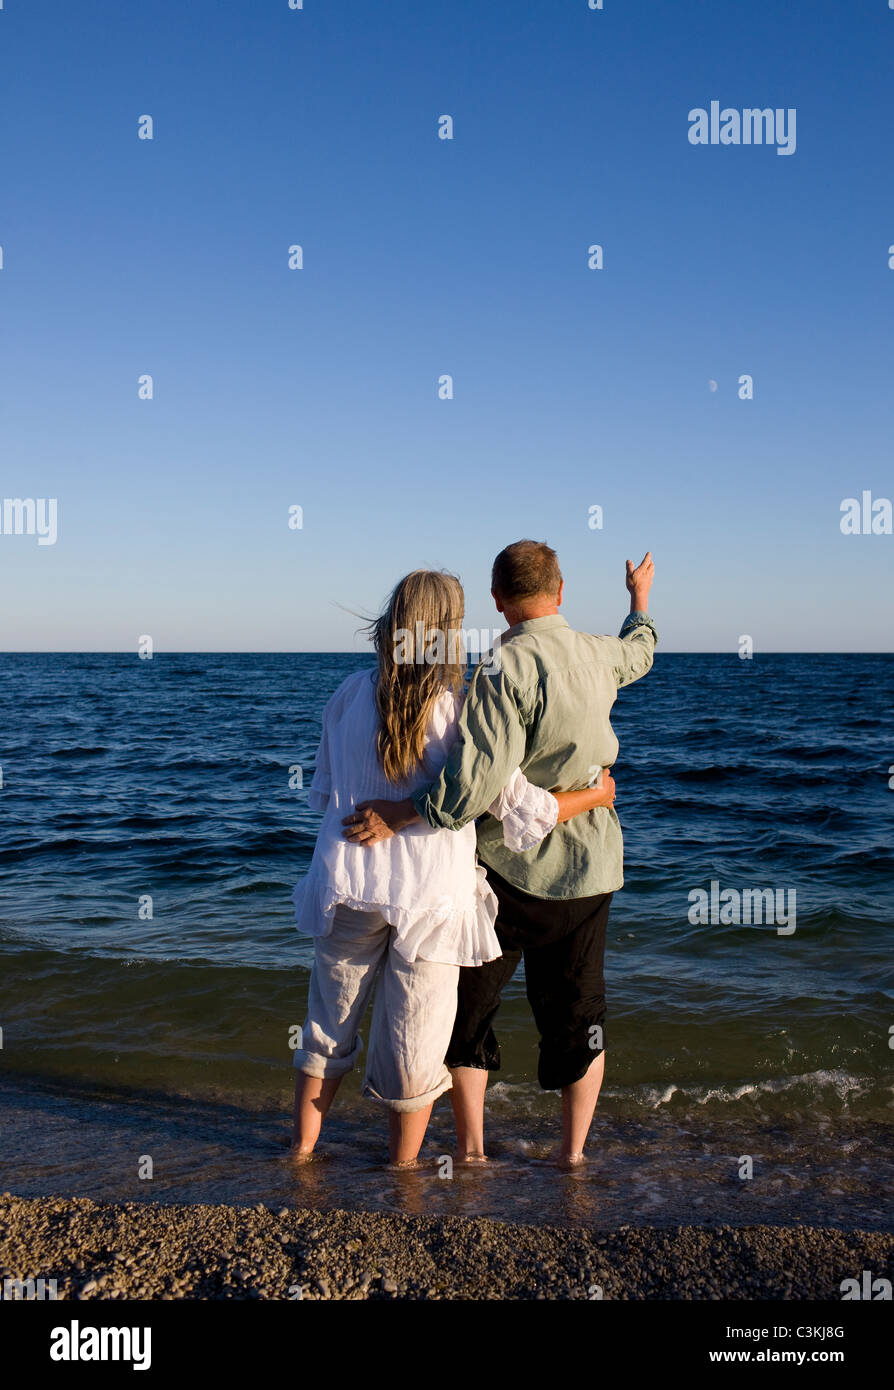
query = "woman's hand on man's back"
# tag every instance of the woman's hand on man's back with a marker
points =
(372, 821)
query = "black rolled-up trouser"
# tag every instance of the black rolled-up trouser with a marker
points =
(562, 941)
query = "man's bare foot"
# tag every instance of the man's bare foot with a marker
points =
(398, 1165)
(472, 1157)
(300, 1155)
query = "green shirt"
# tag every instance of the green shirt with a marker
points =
(543, 705)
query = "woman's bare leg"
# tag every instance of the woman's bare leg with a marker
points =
(406, 1131)
(313, 1097)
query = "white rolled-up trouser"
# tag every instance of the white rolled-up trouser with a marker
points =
(413, 1014)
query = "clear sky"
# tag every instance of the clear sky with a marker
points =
(318, 387)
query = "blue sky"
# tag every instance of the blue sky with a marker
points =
(318, 387)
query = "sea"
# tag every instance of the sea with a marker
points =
(154, 820)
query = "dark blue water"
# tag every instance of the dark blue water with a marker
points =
(168, 780)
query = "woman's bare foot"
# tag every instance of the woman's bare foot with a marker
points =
(471, 1157)
(398, 1165)
(567, 1160)
(299, 1155)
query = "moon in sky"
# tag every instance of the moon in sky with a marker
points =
(712, 385)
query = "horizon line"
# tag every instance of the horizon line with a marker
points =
(344, 651)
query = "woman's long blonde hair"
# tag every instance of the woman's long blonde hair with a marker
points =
(418, 641)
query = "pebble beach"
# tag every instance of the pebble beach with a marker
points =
(147, 1251)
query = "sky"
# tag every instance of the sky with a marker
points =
(318, 388)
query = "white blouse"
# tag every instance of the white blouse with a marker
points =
(425, 881)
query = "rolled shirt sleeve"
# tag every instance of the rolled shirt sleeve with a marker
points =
(490, 746)
(528, 813)
(635, 648)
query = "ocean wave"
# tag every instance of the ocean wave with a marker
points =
(826, 1091)
(812, 1087)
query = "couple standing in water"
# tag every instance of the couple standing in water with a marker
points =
(447, 853)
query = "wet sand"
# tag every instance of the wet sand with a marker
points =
(143, 1250)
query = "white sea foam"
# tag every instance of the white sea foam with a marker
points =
(844, 1085)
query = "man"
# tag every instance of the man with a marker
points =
(543, 705)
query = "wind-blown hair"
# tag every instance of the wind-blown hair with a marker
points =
(419, 643)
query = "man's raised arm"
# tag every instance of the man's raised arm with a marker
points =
(638, 635)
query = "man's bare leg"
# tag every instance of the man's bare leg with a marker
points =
(578, 1107)
(467, 1098)
(313, 1097)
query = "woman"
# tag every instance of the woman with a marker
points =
(418, 905)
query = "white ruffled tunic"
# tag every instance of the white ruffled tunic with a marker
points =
(425, 881)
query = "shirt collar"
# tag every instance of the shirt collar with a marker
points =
(535, 625)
